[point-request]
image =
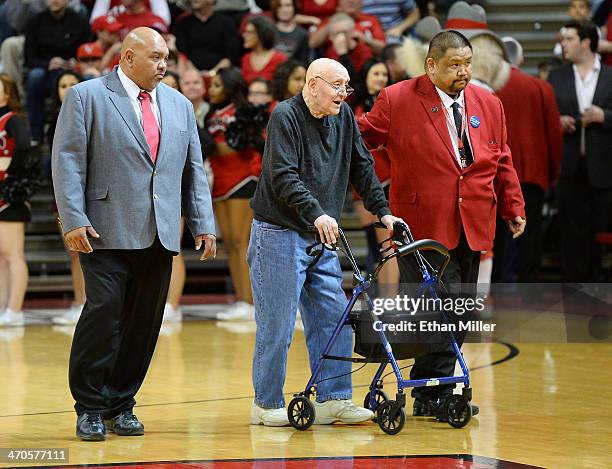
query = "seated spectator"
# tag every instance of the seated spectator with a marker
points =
(89, 57)
(208, 39)
(545, 67)
(259, 37)
(135, 14)
(172, 80)
(288, 80)
(259, 92)
(345, 46)
(396, 70)
(159, 8)
(235, 10)
(395, 16)
(14, 209)
(577, 10)
(192, 87)
(293, 39)
(319, 9)
(367, 31)
(107, 29)
(51, 41)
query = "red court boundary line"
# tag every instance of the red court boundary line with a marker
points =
(438, 461)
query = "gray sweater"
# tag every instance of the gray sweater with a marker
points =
(307, 165)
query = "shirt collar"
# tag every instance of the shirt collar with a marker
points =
(596, 65)
(131, 88)
(447, 101)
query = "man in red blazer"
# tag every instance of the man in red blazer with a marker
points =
(450, 166)
(535, 137)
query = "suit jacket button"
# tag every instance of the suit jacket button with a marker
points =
(155, 196)
(461, 178)
(460, 199)
(154, 173)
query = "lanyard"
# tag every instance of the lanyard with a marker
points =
(460, 134)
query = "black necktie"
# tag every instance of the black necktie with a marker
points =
(469, 159)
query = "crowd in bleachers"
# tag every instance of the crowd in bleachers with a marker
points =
(234, 60)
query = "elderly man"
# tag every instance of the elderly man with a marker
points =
(126, 157)
(313, 150)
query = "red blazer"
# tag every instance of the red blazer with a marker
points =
(535, 135)
(429, 189)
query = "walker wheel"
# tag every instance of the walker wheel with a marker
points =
(379, 398)
(390, 422)
(301, 413)
(458, 411)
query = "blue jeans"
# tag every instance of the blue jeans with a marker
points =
(282, 279)
(38, 86)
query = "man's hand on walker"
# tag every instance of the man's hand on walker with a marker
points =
(210, 246)
(389, 220)
(328, 229)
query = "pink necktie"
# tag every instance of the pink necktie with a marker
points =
(151, 129)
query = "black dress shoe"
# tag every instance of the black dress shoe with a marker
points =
(90, 427)
(125, 424)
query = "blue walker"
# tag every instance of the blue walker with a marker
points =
(390, 414)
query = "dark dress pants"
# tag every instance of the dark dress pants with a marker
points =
(583, 211)
(116, 334)
(461, 276)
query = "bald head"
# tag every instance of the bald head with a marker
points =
(144, 54)
(325, 88)
(324, 67)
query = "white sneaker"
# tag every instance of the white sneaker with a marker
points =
(171, 314)
(340, 410)
(70, 317)
(269, 417)
(11, 318)
(237, 311)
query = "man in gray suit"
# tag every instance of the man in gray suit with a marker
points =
(126, 157)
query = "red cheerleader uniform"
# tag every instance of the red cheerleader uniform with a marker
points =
(232, 171)
(12, 155)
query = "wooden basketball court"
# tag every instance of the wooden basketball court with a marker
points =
(540, 406)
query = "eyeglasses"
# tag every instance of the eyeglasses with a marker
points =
(338, 88)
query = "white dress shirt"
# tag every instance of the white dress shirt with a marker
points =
(447, 102)
(133, 90)
(585, 90)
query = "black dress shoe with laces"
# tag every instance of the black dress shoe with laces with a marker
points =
(125, 424)
(90, 427)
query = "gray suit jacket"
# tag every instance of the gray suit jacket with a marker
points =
(103, 175)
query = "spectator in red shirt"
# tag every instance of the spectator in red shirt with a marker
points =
(136, 15)
(345, 46)
(367, 31)
(259, 37)
(107, 29)
(116, 7)
(320, 9)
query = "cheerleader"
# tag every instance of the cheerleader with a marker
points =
(14, 208)
(235, 176)
(374, 77)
